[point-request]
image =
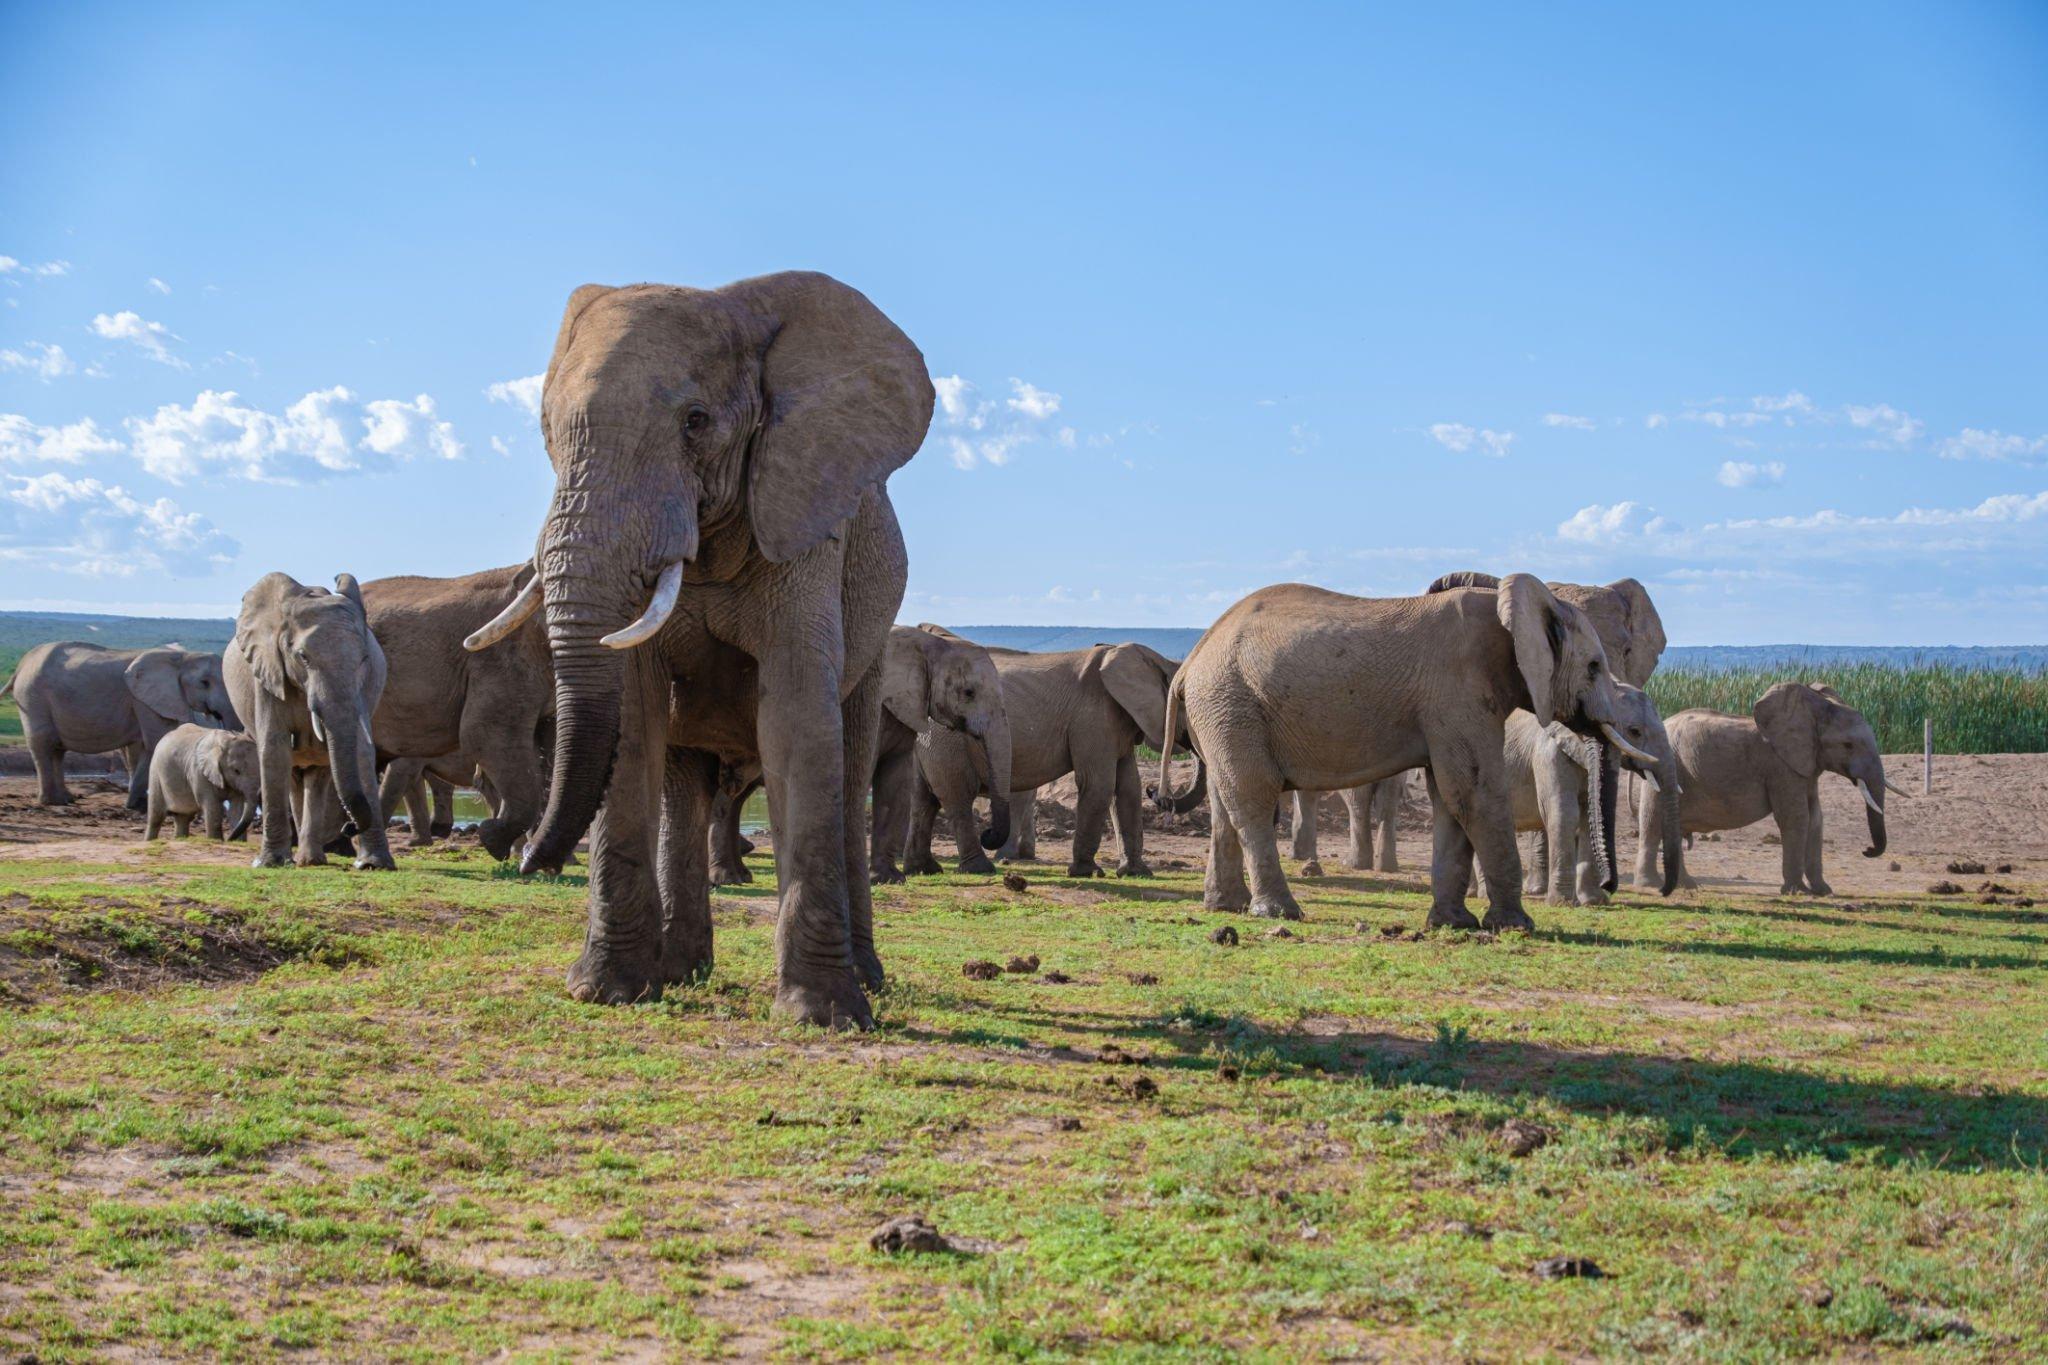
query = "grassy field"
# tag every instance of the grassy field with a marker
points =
(357, 1114)
(1975, 711)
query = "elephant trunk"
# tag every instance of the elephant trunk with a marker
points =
(995, 750)
(1667, 814)
(1869, 779)
(1601, 821)
(353, 760)
(1610, 792)
(589, 681)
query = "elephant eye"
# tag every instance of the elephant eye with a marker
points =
(969, 694)
(696, 419)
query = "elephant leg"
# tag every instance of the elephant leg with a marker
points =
(860, 717)
(1130, 823)
(1792, 835)
(210, 807)
(1386, 814)
(181, 822)
(419, 812)
(512, 767)
(1023, 845)
(1251, 812)
(48, 753)
(318, 812)
(1095, 785)
(966, 827)
(891, 817)
(728, 863)
(137, 756)
(621, 962)
(1358, 802)
(803, 742)
(441, 820)
(917, 844)
(1646, 843)
(1304, 848)
(1814, 881)
(1450, 871)
(1224, 888)
(689, 780)
(153, 820)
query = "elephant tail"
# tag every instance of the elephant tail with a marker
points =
(1162, 794)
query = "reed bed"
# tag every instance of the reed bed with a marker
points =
(1975, 711)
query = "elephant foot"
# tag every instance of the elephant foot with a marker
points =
(1136, 867)
(921, 865)
(682, 966)
(1504, 917)
(1281, 906)
(1090, 868)
(867, 965)
(137, 805)
(603, 976)
(61, 798)
(1452, 916)
(1687, 882)
(441, 831)
(1597, 896)
(1311, 868)
(1819, 887)
(733, 874)
(375, 862)
(317, 858)
(420, 841)
(979, 865)
(498, 838)
(885, 875)
(1232, 903)
(834, 1002)
(745, 846)
(273, 857)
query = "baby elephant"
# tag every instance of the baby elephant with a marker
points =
(207, 773)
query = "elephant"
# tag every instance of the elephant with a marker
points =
(213, 774)
(89, 700)
(1734, 770)
(932, 676)
(720, 565)
(1373, 810)
(1083, 712)
(729, 847)
(1299, 687)
(426, 788)
(486, 708)
(307, 672)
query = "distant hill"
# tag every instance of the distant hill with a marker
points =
(22, 630)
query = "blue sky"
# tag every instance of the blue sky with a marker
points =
(1750, 304)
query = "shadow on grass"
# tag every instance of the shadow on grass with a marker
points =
(1741, 1108)
(1935, 956)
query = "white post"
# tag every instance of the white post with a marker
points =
(1927, 756)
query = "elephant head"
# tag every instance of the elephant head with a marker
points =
(1559, 661)
(932, 675)
(771, 406)
(182, 686)
(1640, 724)
(229, 760)
(1813, 730)
(318, 643)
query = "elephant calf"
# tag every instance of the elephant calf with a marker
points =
(204, 772)
(930, 676)
(1735, 770)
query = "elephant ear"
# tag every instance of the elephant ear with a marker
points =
(846, 402)
(346, 585)
(1788, 717)
(944, 634)
(259, 630)
(1134, 676)
(211, 750)
(153, 678)
(907, 678)
(1466, 578)
(1535, 622)
(1645, 628)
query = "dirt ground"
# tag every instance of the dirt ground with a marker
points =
(1986, 808)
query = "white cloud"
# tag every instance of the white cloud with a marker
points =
(157, 286)
(1032, 401)
(1655, 420)
(47, 270)
(955, 402)
(1561, 419)
(47, 362)
(1973, 444)
(25, 442)
(1887, 421)
(1743, 474)
(1600, 524)
(87, 527)
(1721, 421)
(1794, 401)
(327, 432)
(523, 394)
(1458, 437)
(146, 336)
(1302, 438)
(2002, 509)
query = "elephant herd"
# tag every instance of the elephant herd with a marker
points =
(709, 608)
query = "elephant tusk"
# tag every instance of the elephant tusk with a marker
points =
(510, 619)
(1651, 778)
(1614, 738)
(1868, 799)
(666, 589)
(1895, 789)
(319, 730)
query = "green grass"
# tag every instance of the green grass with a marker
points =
(1783, 1127)
(10, 714)
(1975, 711)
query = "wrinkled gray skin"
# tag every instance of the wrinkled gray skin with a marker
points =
(306, 675)
(729, 847)
(1738, 769)
(732, 445)
(1298, 687)
(1373, 810)
(200, 771)
(932, 677)
(80, 698)
(1083, 712)
(485, 708)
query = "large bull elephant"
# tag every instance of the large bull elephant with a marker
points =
(1296, 687)
(488, 707)
(1082, 711)
(306, 675)
(932, 676)
(1738, 769)
(720, 565)
(88, 700)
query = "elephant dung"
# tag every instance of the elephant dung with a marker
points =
(1520, 1137)
(981, 970)
(899, 1235)
(1569, 1268)
(1226, 936)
